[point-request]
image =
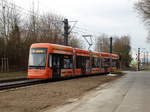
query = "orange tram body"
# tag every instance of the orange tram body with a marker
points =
(54, 61)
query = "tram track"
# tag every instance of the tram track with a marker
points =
(9, 84)
(21, 82)
(12, 80)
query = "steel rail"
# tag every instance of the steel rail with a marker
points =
(20, 83)
(12, 80)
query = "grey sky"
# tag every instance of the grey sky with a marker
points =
(113, 17)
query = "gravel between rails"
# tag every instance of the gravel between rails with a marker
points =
(40, 97)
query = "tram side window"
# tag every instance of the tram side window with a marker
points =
(87, 64)
(50, 60)
(55, 60)
(102, 62)
(114, 63)
(98, 62)
(117, 63)
(105, 62)
(95, 62)
(67, 61)
(79, 61)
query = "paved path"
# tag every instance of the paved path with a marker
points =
(128, 94)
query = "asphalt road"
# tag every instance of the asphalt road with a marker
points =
(131, 93)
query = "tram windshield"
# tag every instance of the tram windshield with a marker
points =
(37, 57)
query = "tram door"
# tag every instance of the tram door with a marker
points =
(56, 66)
(85, 65)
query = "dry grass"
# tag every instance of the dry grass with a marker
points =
(38, 97)
(8, 75)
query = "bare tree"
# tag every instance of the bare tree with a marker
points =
(51, 28)
(18, 31)
(102, 43)
(121, 46)
(143, 8)
(74, 42)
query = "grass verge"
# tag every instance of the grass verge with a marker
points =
(8, 75)
(119, 73)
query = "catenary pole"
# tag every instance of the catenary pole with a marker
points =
(138, 59)
(66, 31)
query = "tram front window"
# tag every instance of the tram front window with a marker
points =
(37, 58)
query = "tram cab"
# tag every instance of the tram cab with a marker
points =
(46, 59)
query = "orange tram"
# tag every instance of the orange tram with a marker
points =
(54, 61)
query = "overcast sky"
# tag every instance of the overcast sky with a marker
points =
(113, 17)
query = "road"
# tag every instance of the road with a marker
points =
(131, 93)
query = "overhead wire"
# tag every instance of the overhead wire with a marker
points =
(79, 30)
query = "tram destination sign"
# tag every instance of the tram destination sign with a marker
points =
(38, 50)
